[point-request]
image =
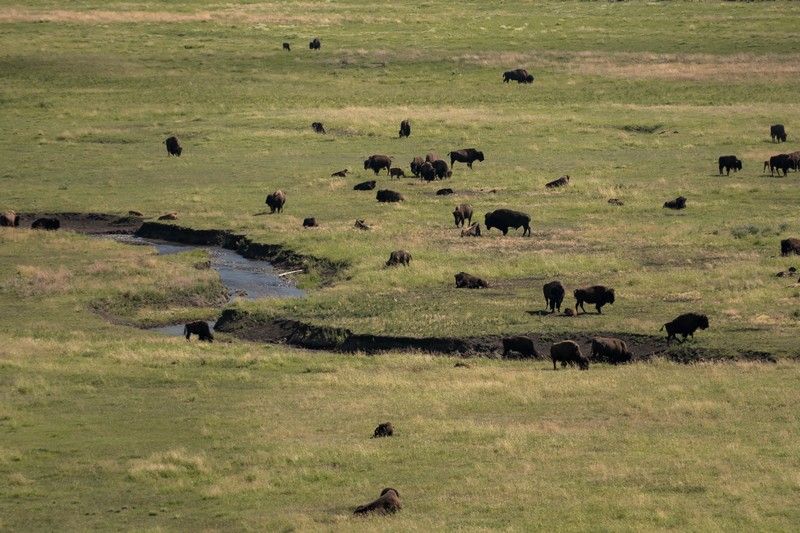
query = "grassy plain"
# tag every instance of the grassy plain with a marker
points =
(106, 426)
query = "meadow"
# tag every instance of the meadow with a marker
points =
(107, 426)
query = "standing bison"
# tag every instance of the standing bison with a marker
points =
(378, 163)
(568, 353)
(596, 294)
(685, 325)
(173, 146)
(416, 165)
(276, 201)
(385, 195)
(287, 47)
(462, 215)
(790, 246)
(728, 163)
(503, 219)
(397, 172)
(9, 219)
(427, 171)
(468, 281)
(441, 170)
(399, 257)
(553, 295)
(318, 127)
(780, 162)
(610, 350)
(466, 155)
(777, 132)
(199, 328)
(315, 44)
(405, 128)
(383, 430)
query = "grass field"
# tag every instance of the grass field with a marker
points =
(106, 426)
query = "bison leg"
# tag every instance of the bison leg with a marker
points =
(526, 230)
(505, 231)
(599, 309)
(554, 364)
(470, 165)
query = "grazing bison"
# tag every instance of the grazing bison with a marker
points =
(383, 430)
(310, 222)
(473, 231)
(360, 224)
(9, 219)
(468, 281)
(315, 44)
(462, 215)
(466, 155)
(385, 195)
(378, 163)
(780, 162)
(522, 345)
(794, 159)
(503, 219)
(677, 203)
(568, 353)
(427, 171)
(416, 164)
(405, 128)
(598, 295)
(519, 75)
(387, 503)
(173, 146)
(318, 127)
(199, 328)
(287, 47)
(397, 172)
(685, 325)
(778, 133)
(790, 246)
(444, 192)
(399, 257)
(276, 201)
(364, 186)
(441, 169)
(560, 182)
(553, 295)
(729, 162)
(49, 224)
(609, 350)
(340, 174)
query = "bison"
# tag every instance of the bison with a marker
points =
(553, 295)
(468, 281)
(415, 165)
(521, 345)
(598, 295)
(677, 203)
(399, 257)
(780, 162)
(318, 127)
(199, 328)
(790, 246)
(473, 231)
(310, 222)
(340, 173)
(610, 350)
(9, 219)
(173, 146)
(441, 170)
(568, 352)
(315, 44)
(466, 155)
(378, 163)
(560, 182)
(444, 192)
(519, 75)
(364, 186)
(503, 219)
(385, 195)
(45, 223)
(427, 171)
(287, 47)
(383, 430)
(387, 503)
(462, 215)
(405, 128)
(397, 172)
(729, 162)
(777, 132)
(276, 201)
(685, 325)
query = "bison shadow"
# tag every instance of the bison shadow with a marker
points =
(261, 213)
(539, 312)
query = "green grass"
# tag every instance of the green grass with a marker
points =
(96, 415)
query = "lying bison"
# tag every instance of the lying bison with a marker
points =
(568, 353)
(503, 219)
(677, 203)
(9, 219)
(598, 295)
(466, 155)
(310, 222)
(378, 163)
(199, 328)
(385, 195)
(728, 163)
(276, 201)
(473, 231)
(553, 295)
(364, 186)
(46, 223)
(563, 181)
(777, 132)
(520, 345)
(519, 75)
(399, 257)
(685, 325)
(173, 146)
(462, 215)
(383, 430)
(468, 281)
(405, 128)
(790, 246)
(318, 128)
(387, 503)
(444, 192)
(610, 350)
(396, 172)
(315, 44)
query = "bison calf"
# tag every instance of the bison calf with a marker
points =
(383, 430)
(473, 231)
(385, 195)
(596, 294)
(468, 281)
(199, 328)
(387, 503)
(521, 345)
(568, 353)
(399, 257)
(396, 172)
(610, 350)
(685, 325)
(553, 295)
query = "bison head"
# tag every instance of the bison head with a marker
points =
(702, 322)
(609, 296)
(529, 79)
(366, 164)
(738, 165)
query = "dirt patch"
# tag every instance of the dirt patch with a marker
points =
(89, 223)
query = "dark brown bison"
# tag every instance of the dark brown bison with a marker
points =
(568, 353)
(553, 295)
(340, 174)
(287, 47)
(397, 172)
(385, 195)
(462, 215)
(173, 146)
(378, 163)
(415, 165)
(383, 430)
(310, 222)
(610, 350)
(780, 162)
(677, 203)
(399, 257)
(728, 163)
(46, 223)
(466, 155)
(364, 186)
(318, 127)
(519, 75)
(778, 133)
(473, 231)
(9, 219)
(790, 246)
(441, 170)
(315, 44)
(503, 219)
(199, 328)
(468, 281)
(444, 192)
(387, 503)
(427, 171)
(276, 201)
(794, 159)
(405, 128)
(521, 345)
(685, 325)
(560, 182)
(598, 295)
